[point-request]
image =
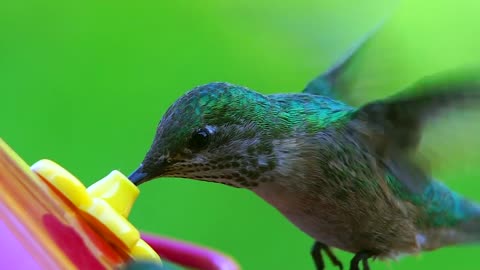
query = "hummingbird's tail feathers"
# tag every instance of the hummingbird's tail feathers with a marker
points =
(471, 228)
(467, 231)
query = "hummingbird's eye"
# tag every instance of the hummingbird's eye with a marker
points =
(199, 139)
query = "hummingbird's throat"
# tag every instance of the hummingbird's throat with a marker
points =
(233, 170)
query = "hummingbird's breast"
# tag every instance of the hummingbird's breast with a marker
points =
(355, 228)
(331, 188)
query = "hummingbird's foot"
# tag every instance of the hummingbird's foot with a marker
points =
(316, 253)
(360, 256)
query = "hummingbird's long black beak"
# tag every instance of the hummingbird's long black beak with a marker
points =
(139, 176)
(148, 172)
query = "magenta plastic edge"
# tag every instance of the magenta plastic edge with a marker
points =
(189, 255)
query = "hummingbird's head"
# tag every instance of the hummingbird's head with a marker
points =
(217, 132)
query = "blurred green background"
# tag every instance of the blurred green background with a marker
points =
(85, 83)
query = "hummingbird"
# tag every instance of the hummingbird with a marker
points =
(348, 176)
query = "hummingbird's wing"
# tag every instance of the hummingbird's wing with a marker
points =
(394, 127)
(333, 83)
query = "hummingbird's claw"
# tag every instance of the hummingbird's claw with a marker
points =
(316, 253)
(360, 256)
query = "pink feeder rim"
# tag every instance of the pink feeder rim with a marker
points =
(189, 255)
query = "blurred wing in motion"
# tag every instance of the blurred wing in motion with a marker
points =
(405, 130)
(334, 83)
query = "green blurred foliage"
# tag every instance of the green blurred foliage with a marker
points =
(85, 83)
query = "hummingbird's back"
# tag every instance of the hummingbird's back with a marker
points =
(355, 202)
